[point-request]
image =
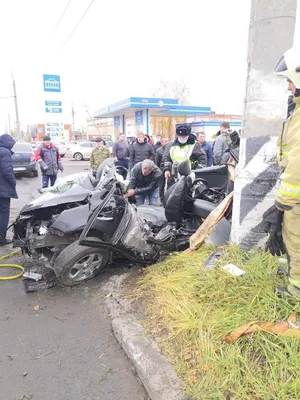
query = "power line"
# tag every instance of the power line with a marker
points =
(78, 23)
(61, 17)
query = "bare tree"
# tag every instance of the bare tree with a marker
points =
(165, 126)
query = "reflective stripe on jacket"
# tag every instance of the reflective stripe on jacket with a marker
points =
(179, 154)
(289, 191)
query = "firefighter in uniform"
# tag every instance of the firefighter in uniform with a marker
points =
(282, 221)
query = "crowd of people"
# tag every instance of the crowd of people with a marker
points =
(153, 165)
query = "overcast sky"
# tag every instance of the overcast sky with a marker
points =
(122, 48)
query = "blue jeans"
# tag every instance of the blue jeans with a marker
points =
(151, 198)
(122, 163)
(4, 215)
(47, 178)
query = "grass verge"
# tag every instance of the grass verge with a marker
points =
(190, 308)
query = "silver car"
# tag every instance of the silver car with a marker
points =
(81, 151)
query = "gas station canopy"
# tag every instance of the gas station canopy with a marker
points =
(158, 107)
(143, 108)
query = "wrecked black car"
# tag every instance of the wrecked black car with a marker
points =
(80, 231)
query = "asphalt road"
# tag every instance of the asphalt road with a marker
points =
(58, 343)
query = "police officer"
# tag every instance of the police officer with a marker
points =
(184, 148)
(282, 221)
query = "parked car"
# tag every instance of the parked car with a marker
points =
(81, 151)
(23, 159)
(35, 145)
(62, 147)
(109, 144)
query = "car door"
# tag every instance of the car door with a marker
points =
(84, 150)
(91, 147)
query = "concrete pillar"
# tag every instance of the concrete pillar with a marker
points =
(271, 33)
(142, 121)
(297, 28)
(123, 123)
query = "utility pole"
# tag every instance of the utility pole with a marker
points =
(73, 118)
(271, 33)
(9, 124)
(18, 132)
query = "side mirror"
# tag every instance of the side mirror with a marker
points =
(184, 168)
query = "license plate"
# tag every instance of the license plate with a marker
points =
(19, 169)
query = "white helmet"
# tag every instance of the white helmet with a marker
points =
(289, 66)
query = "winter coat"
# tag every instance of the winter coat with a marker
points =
(288, 194)
(220, 147)
(49, 159)
(140, 152)
(190, 151)
(120, 150)
(98, 156)
(7, 176)
(144, 184)
(209, 153)
(157, 146)
(160, 154)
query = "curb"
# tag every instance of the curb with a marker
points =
(157, 375)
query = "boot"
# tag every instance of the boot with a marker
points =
(4, 241)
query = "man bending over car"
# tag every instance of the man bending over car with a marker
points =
(144, 182)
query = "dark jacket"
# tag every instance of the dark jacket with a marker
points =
(209, 153)
(7, 176)
(198, 155)
(220, 146)
(144, 184)
(157, 146)
(120, 150)
(160, 154)
(140, 152)
(49, 160)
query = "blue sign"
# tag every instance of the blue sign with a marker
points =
(51, 83)
(117, 121)
(139, 117)
(53, 103)
(53, 110)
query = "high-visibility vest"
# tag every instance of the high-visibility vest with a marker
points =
(179, 154)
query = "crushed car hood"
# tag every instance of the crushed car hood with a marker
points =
(75, 194)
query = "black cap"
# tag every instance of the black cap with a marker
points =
(98, 140)
(47, 139)
(183, 130)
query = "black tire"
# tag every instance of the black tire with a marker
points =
(67, 263)
(78, 157)
(35, 174)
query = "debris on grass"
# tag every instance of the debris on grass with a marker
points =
(233, 270)
(287, 328)
(190, 309)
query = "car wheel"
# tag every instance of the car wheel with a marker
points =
(35, 174)
(77, 264)
(78, 157)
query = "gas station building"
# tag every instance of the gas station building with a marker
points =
(137, 114)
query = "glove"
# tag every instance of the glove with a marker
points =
(273, 219)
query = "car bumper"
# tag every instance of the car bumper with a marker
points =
(21, 169)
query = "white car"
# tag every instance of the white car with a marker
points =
(61, 146)
(81, 151)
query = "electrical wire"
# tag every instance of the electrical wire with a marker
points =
(78, 23)
(61, 17)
